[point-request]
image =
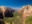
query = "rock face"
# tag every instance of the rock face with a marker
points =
(26, 11)
(8, 13)
(5, 11)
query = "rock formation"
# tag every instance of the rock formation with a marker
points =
(6, 11)
(26, 11)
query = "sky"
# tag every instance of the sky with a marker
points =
(17, 4)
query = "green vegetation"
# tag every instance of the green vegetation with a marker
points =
(29, 20)
(16, 19)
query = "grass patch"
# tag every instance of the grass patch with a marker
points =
(16, 19)
(29, 20)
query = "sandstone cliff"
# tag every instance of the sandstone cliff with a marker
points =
(26, 11)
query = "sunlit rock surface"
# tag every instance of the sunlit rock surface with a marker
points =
(26, 11)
